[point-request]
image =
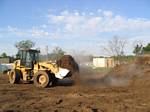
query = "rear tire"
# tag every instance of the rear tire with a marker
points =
(42, 79)
(14, 76)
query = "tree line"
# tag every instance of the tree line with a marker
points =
(140, 49)
(114, 48)
(56, 53)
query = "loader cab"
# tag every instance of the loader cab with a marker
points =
(28, 58)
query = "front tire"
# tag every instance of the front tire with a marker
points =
(55, 81)
(14, 76)
(42, 79)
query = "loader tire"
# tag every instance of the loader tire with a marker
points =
(42, 79)
(14, 76)
(55, 81)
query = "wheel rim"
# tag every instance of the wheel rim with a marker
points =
(42, 79)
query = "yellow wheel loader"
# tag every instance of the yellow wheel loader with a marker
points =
(29, 69)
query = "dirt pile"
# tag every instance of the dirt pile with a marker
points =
(139, 66)
(123, 75)
(143, 60)
(68, 62)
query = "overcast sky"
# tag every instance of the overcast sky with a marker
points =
(80, 25)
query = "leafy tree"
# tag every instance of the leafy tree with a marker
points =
(4, 55)
(146, 49)
(56, 54)
(25, 44)
(138, 49)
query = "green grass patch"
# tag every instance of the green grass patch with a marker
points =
(103, 69)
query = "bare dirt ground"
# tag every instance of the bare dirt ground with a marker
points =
(90, 94)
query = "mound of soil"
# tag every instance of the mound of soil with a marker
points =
(143, 60)
(68, 62)
(123, 74)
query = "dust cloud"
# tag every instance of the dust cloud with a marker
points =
(120, 75)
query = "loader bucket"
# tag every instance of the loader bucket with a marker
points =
(62, 73)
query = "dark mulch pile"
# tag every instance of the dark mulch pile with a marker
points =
(68, 62)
